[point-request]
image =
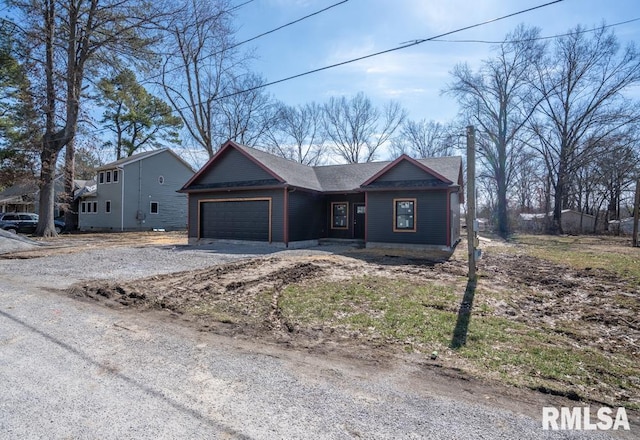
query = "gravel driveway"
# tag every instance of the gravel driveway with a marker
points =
(71, 369)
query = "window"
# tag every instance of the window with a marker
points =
(101, 177)
(107, 206)
(154, 207)
(161, 180)
(115, 176)
(89, 207)
(404, 214)
(108, 176)
(339, 215)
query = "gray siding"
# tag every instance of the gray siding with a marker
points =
(305, 216)
(172, 212)
(454, 205)
(101, 220)
(351, 199)
(430, 211)
(139, 184)
(232, 166)
(404, 170)
(277, 208)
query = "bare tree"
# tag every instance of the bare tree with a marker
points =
(69, 38)
(298, 135)
(246, 111)
(497, 99)
(200, 68)
(424, 139)
(582, 83)
(527, 181)
(358, 129)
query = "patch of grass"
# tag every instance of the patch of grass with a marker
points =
(376, 307)
(583, 252)
(424, 317)
(535, 358)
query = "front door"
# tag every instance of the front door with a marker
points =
(359, 214)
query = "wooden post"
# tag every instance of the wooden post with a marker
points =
(636, 215)
(471, 201)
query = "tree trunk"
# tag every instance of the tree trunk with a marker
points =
(503, 215)
(556, 220)
(70, 213)
(46, 227)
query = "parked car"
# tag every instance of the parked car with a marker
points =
(24, 223)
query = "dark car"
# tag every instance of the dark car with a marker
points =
(24, 222)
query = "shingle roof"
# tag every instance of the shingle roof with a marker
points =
(448, 167)
(136, 157)
(294, 173)
(336, 178)
(347, 177)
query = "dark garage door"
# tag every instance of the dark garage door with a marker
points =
(235, 220)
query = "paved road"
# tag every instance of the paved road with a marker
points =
(75, 370)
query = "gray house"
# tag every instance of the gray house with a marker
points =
(247, 194)
(137, 193)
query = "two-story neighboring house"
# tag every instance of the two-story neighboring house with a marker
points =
(137, 193)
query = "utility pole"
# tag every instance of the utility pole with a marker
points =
(636, 215)
(471, 201)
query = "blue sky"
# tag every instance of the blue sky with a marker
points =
(414, 76)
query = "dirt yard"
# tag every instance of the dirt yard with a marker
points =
(560, 326)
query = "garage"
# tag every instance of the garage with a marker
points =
(236, 219)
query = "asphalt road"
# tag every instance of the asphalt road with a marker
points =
(76, 370)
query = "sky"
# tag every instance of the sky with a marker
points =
(415, 76)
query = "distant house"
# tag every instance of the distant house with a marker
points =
(573, 222)
(247, 194)
(21, 197)
(24, 196)
(137, 193)
(623, 226)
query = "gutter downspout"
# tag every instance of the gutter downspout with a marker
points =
(286, 216)
(121, 170)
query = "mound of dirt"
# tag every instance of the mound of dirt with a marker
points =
(15, 242)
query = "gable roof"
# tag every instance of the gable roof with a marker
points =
(333, 178)
(140, 156)
(414, 162)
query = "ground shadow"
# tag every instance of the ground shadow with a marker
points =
(459, 338)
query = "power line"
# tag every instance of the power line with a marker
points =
(551, 37)
(241, 5)
(403, 46)
(286, 25)
(148, 79)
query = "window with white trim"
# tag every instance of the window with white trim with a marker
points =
(115, 176)
(107, 207)
(101, 177)
(154, 208)
(108, 176)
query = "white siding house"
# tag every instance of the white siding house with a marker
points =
(137, 193)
